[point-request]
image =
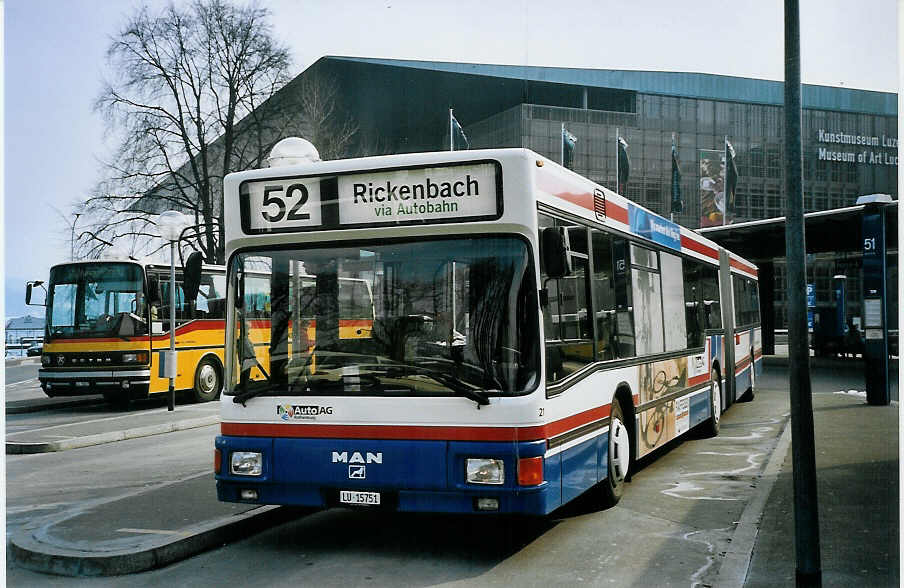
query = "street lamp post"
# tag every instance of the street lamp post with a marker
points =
(171, 224)
(72, 238)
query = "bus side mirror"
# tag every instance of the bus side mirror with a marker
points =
(29, 286)
(554, 250)
(153, 294)
(191, 277)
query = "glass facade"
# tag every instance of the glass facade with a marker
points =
(755, 131)
(845, 155)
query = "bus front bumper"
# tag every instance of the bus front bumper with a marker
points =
(408, 476)
(76, 382)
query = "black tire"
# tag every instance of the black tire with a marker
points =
(208, 381)
(618, 457)
(749, 394)
(710, 427)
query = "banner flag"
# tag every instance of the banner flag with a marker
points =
(731, 182)
(712, 192)
(568, 144)
(458, 138)
(677, 202)
(624, 166)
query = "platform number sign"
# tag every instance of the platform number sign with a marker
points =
(280, 205)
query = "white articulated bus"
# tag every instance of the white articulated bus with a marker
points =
(528, 334)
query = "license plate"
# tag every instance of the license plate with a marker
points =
(81, 384)
(355, 497)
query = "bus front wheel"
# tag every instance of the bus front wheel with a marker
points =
(618, 457)
(207, 381)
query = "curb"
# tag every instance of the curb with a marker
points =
(22, 448)
(735, 565)
(34, 555)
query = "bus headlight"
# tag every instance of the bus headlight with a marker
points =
(137, 357)
(482, 470)
(246, 463)
(45, 359)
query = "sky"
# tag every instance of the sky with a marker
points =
(54, 65)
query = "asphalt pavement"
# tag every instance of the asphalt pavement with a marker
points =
(857, 477)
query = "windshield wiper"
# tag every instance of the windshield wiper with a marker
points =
(459, 387)
(449, 381)
(247, 394)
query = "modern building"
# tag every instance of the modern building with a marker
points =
(849, 136)
(22, 332)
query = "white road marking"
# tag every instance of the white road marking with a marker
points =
(689, 487)
(755, 434)
(750, 460)
(153, 532)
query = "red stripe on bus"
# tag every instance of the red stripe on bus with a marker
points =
(693, 245)
(742, 266)
(616, 212)
(697, 380)
(195, 325)
(585, 200)
(402, 432)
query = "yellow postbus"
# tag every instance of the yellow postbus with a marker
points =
(108, 324)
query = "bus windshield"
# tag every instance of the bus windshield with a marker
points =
(419, 318)
(96, 300)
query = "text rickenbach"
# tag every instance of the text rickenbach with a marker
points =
(369, 193)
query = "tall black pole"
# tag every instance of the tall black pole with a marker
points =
(806, 512)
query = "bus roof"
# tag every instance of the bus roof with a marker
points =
(144, 263)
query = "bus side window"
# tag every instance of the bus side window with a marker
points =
(673, 309)
(603, 285)
(624, 307)
(747, 305)
(693, 303)
(566, 318)
(646, 293)
(712, 309)
(163, 310)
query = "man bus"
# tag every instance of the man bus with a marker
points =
(533, 334)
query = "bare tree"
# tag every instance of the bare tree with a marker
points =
(194, 96)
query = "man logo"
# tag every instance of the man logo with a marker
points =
(357, 472)
(357, 457)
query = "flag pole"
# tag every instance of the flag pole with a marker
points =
(725, 184)
(617, 185)
(671, 212)
(562, 146)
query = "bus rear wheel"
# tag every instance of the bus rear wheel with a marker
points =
(207, 381)
(711, 427)
(748, 395)
(618, 458)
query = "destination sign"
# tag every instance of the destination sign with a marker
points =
(445, 193)
(419, 195)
